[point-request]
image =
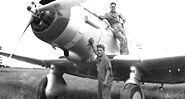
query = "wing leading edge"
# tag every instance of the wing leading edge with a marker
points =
(62, 64)
(43, 63)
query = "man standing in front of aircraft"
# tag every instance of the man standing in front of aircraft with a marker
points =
(105, 76)
(114, 21)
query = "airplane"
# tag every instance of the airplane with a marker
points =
(58, 24)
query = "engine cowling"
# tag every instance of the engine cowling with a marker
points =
(50, 24)
(66, 30)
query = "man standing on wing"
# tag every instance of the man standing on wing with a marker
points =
(113, 18)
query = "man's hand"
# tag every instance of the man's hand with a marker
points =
(91, 41)
(100, 17)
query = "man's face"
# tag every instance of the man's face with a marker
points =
(100, 51)
(112, 7)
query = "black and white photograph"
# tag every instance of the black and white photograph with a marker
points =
(92, 49)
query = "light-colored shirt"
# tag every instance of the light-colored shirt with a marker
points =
(113, 17)
(103, 64)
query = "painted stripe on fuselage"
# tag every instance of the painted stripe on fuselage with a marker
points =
(73, 42)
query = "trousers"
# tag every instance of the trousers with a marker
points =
(104, 91)
(119, 33)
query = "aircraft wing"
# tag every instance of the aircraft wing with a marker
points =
(66, 65)
(44, 63)
(167, 69)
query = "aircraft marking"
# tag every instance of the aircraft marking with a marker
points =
(74, 40)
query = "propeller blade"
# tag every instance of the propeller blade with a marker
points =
(31, 19)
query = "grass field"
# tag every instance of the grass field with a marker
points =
(17, 83)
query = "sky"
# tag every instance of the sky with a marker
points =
(158, 25)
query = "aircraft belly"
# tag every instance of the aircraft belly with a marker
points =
(163, 77)
(155, 70)
(161, 71)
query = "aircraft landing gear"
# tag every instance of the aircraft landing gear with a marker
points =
(40, 91)
(131, 91)
(52, 86)
(131, 88)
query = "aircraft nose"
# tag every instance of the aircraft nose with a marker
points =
(50, 23)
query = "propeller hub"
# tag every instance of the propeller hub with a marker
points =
(43, 20)
(51, 23)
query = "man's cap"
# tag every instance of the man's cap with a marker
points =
(101, 46)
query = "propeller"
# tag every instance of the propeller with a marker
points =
(63, 4)
(29, 23)
(31, 19)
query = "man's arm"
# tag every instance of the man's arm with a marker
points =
(107, 76)
(101, 17)
(91, 43)
(106, 21)
(108, 71)
(122, 17)
(105, 16)
(94, 50)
